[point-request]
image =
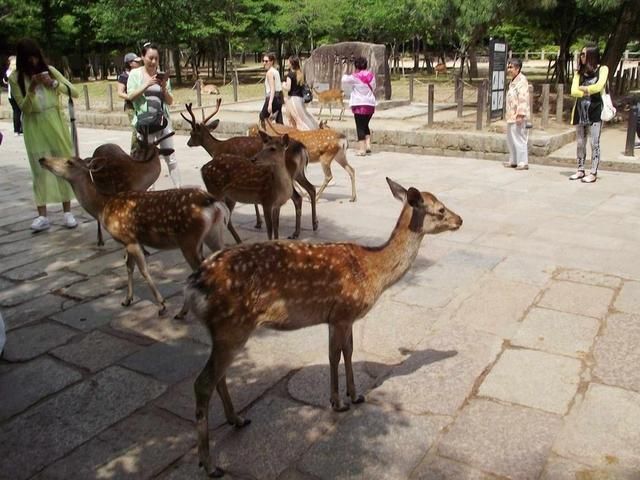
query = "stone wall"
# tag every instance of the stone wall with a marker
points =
(328, 63)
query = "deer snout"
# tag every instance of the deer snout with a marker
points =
(455, 221)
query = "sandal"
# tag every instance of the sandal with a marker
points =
(577, 176)
(591, 178)
(361, 154)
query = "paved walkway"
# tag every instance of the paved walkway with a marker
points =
(510, 350)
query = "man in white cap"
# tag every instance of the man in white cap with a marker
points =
(131, 61)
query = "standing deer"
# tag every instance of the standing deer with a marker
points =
(324, 145)
(329, 97)
(113, 170)
(167, 219)
(287, 286)
(296, 159)
(263, 179)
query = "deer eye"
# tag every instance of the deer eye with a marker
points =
(69, 162)
(441, 211)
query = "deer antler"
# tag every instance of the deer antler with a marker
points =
(157, 142)
(191, 122)
(204, 122)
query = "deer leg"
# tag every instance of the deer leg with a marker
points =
(330, 113)
(336, 335)
(296, 198)
(311, 191)
(136, 251)
(342, 160)
(347, 351)
(268, 220)
(130, 261)
(230, 204)
(275, 221)
(320, 112)
(341, 111)
(229, 412)
(100, 239)
(258, 219)
(326, 168)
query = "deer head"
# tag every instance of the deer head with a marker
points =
(272, 147)
(145, 151)
(68, 168)
(199, 130)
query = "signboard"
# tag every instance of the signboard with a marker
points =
(497, 72)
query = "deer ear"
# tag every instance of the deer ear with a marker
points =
(285, 140)
(398, 190)
(414, 197)
(264, 136)
(213, 125)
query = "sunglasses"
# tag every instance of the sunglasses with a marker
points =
(265, 61)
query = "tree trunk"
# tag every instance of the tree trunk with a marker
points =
(626, 26)
(473, 62)
(176, 64)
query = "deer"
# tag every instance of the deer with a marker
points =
(324, 146)
(441, 68)
(113, 170)
(328, 97)
(166, 219)
(291, 285)
(209, 89)
(263, 179)
(296, 160)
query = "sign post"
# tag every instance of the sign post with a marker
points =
(497, 74)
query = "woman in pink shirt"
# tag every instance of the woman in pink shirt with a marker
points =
(362, 102)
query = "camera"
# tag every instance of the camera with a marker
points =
(160, 75)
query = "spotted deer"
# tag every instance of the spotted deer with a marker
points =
(329, 97)
(324, 145)
(262, 179)
(113, 170)
(167, 219)
(290, 285)
(296, 160)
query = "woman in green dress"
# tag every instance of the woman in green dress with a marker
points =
(36, 88)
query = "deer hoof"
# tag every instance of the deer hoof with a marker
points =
(240, 422)
(294, 236)
(358, 399)
(315, 225)
(339, 406)
(217, 473)
(352, 199)
(127, 302)
(258, 226)
(163, 310)
(100, 243)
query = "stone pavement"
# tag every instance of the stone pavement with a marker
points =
(510, 349)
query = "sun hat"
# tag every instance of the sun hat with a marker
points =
(131, 57)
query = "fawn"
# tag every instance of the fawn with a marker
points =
(113, 170)
(263, 179)
(287, 286)
(178, 218)
(296, 159)
(329, 97)
(325, 145)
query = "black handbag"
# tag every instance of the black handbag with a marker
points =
(307, 96)
(151, 122)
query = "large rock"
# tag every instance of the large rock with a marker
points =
(328, 63)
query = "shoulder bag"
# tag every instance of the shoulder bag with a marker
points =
(608, 110)
(307, 96)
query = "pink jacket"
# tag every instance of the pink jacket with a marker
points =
(361, 94)
(517, 98)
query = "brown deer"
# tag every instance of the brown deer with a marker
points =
(209, 89)
(287, 286)
(263, 179)
(441, 68)
(329, 97)
(296, 159)
(167, 219)
(324, 145)
(114, 171)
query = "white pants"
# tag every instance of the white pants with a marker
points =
(517, 138)
(170, 160)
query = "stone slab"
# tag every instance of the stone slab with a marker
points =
(525, 269)
(364, 444)
(29, 342)
(93, 314)
(577, 298)
(439, 376)
(96, 286)
(112, 260)
(27, 291)
(589, 436)
(55, 427)
(559, 468)
(439, 468)
(589, 278)
(49, 264)
(628, 299)
(24, 384)
(95, 351)
(533, 379)
(140, 446)
(557, 332)
(616, 353)
(506, 440)
(35, 310)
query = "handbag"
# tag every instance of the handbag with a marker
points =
(608, 110)
(151, 122)
(307, 96)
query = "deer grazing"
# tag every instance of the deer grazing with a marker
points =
(296, 159)
(329, 97)
(263, 179)
(167, 219)
(114, 171)
(287, 286)
(324, 145)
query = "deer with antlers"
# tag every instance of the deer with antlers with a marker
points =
(329, 97)
(167, 219)
(287, 286)
(296, 160)
(324, 145)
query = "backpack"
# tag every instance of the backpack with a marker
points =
(307, 96)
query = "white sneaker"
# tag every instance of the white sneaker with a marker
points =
(40, 223)
(69, 220)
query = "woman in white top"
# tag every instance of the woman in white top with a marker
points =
(362, 102)
(273, 90)
(17, 113)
